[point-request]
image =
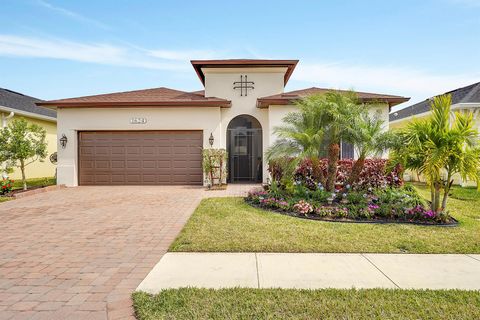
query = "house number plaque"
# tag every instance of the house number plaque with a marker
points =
(138, 120)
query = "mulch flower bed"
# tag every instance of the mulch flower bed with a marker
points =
(385, 204)
(451, 222)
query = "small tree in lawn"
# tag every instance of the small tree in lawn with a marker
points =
(21, 144)
(440, 147)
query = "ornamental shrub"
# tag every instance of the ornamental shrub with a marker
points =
(303, 207)
(215, 166)
(373, 175)
(6, 186)
(275, 170)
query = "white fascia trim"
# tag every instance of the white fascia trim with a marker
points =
(28, 114)
(466, 105)
(410, 117)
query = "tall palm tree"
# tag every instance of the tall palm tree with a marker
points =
(440, 147)
(369, 140)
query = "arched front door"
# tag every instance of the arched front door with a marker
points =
(244, 146)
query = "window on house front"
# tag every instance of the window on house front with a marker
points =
(346, 150)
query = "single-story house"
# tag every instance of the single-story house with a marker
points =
(15, 105)
(155, 136)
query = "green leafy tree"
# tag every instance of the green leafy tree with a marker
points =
(369, 140)
(439, 147)
(21, 144)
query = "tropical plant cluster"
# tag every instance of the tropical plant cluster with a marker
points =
(439, 147)
(390, 204)
(309, 179)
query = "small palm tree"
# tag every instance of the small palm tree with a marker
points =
(300, 137)
(369, 140)
(440, 147)
(339, 112)
(322, 120)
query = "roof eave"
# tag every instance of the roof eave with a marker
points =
(28, 114)
(59, 104)
(265, 102)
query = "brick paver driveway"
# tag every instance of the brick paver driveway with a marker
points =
(80, 252)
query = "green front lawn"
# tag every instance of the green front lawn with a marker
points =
(307, 304)
(230, 225)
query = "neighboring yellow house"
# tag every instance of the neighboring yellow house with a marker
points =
(14, 105)
(465, 99)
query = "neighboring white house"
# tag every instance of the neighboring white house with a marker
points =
(155, 136)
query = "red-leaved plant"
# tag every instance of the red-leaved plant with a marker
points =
(373, 175)
(6, 186)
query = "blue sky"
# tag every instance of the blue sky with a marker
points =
(55, 49)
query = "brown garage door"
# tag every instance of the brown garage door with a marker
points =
(140, 157)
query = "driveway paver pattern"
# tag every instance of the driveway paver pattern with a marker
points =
(79, 253)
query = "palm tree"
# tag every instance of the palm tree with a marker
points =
(440, 147)
(300, 137)
(369, 140)
(339, 111)
(321, 120)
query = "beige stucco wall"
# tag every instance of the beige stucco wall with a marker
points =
(70, 121)
(39, 169)
(268, 81)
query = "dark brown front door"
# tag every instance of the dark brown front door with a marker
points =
(140, 157)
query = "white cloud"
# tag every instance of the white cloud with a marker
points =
(403, 81)
(72, 15)
(184, 55)
(17, 46)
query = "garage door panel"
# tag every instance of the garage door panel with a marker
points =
(118, 164)
(102, 164)
(140, 157)
(134, 164)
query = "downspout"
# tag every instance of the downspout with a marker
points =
(4, 124)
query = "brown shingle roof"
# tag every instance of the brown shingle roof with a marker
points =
(243, 63)
(288, 97)
(148, 97)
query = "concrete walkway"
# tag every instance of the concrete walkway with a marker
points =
(314, 271)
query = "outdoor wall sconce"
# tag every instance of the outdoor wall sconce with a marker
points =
(211, 140)
(63, 141)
